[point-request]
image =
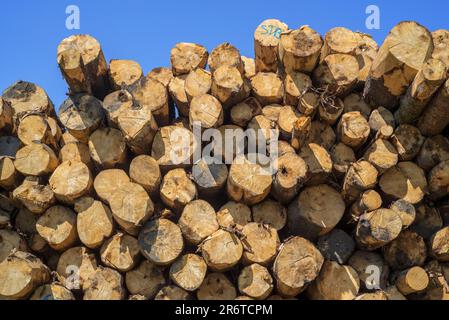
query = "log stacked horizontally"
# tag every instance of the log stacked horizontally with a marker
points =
(101, 199)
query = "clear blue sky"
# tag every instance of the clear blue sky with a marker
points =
(146, 30)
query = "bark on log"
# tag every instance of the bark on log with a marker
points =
(433, 151)
(408, 141)
(355, 102)
(364, 262)
(330, 110)
(406, 251)
(336, 246)
(6, 115)
(342, 157)
(439, 181)
(242, 113)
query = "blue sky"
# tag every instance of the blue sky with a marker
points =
(145, 31)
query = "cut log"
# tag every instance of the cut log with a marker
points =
(161, 241)
(342, 157)
(178, 93)
(330, 109)
(34, 196)
(298, 263)
(406, 48)
(434, 150)
(428, 221)
(287, 120)
(260, 243)
(336, 246)
(83, 65)
(441, 45)
(6, 115)
(406, 211)
(353, 129)
(255, 281)
(216, 286)
(75, 267)
(20, 274)
(35, 159)
(377, 228)
(120, 252)
(197, 83)
(124, 73)
(365, 53)
(108, 181)
(428, 80)
(105, 284)
(296, 85)
(10, 242)
(58, 227)
(205, 111)
(308, 103)
(337, 73)
(374, 296)
(188, 272)
(318, 161)
(172, 292)
(382, 155)
(367, 201)
(144, 170)
(339, 40)
(115, 102)
(248, 182)
(438, 245)
(335, 282)
(322, 134)
(25, 224)
(138, 127)
(267, 88)
(266, 40)
(161, 74)
(186, 57)
(355, 102)
(131, 207)
(316, 211)
(107, 148)
(270, 213)
(36, 128)
(198, 221)
(380, 118)
(406, 251)
(292, 173)
(209, 178)
(394, 294)
(177, 190)
(299, 50)
(249, 66)
(76, 151)
(438, 286)
(221, 251)
(145, 280)
(52, 291)
(225, 55)
(284, 147)
(25, 98)
(262, 130)
(404, 181)
(242, 113)
(439, 180)
(81, 115)
(234, 214)
(412, 280)
(360, 177)
(70, 181)
(152, 95)
(408, 141)
(94, 222)
(67, 138)
(229, 86)
(371, 268)
(173, 147)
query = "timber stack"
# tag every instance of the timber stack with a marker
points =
(106, 198)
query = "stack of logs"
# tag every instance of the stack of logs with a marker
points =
(92, 205)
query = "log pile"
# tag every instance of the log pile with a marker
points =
(100, 199)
